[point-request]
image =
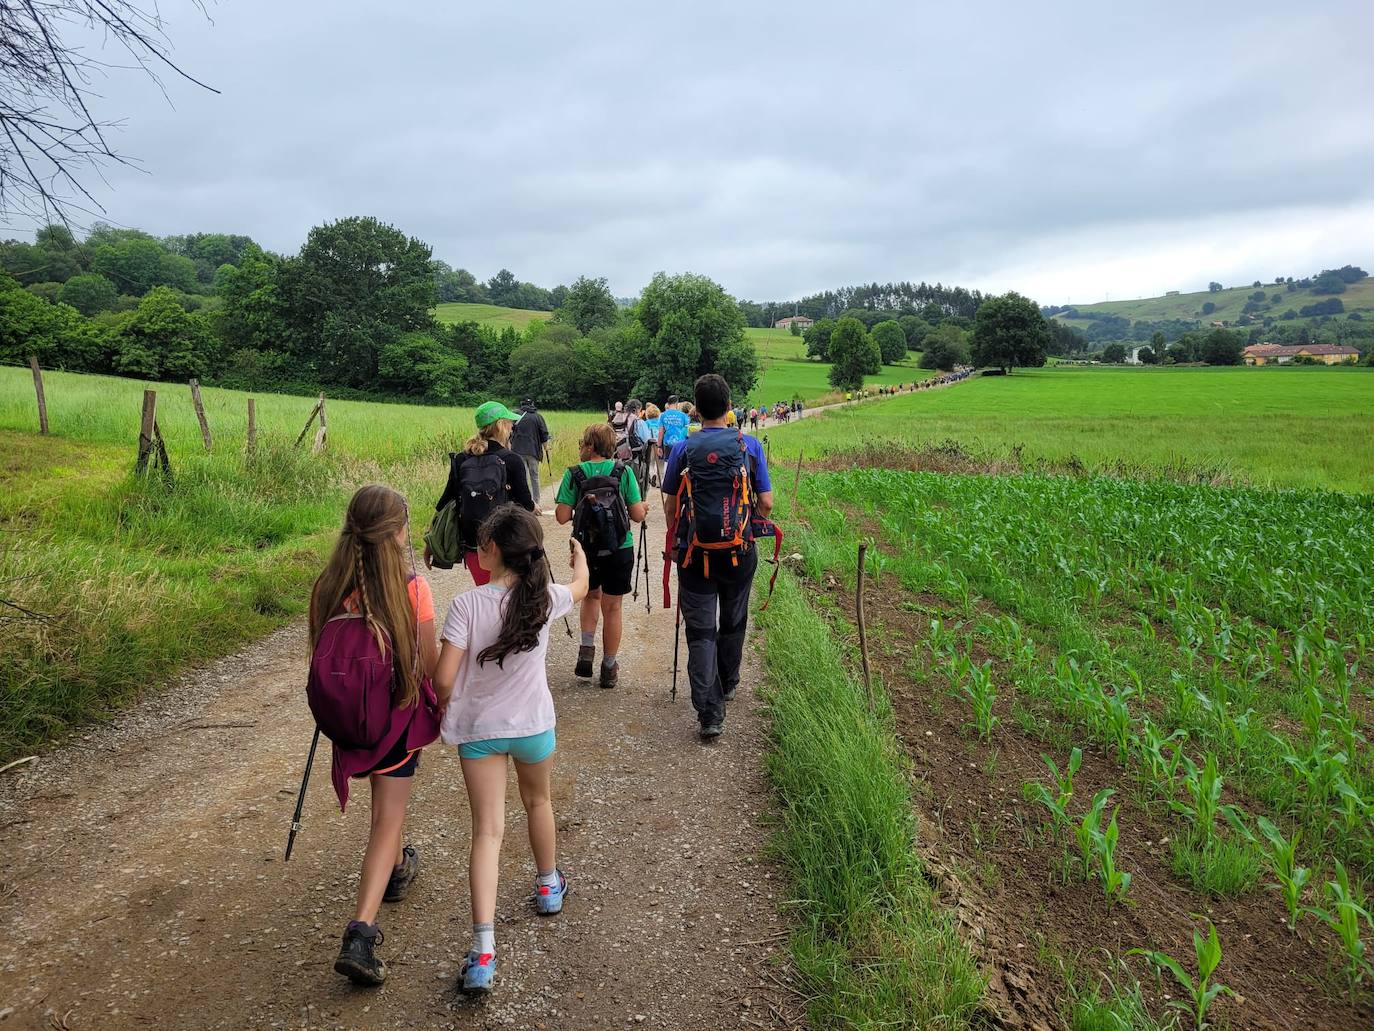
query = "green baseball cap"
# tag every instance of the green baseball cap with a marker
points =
(490, 411)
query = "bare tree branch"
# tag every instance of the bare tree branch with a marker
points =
(50, 140)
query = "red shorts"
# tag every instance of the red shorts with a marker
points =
(479, 575)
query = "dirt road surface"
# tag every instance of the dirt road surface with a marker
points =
(142, 882)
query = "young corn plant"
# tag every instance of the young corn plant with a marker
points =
(1344, 915)
(1201, 992)
(1115, 882)
(1089, 829)
(1292, 879)
(1056, 801)
(977, 686)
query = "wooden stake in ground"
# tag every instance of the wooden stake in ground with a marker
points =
(863, 627)
(310, 421)
(200, 413)
(38, 389)
(150, 443)
(252, 428)
(796, 481)
(322, 434)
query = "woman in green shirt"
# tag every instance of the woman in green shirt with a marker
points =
(601, 497)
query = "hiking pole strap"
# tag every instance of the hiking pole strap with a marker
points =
(777, 552)
(300, 799)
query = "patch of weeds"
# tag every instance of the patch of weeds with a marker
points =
(1219, 867)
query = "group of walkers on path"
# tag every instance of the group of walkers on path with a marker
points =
(382, 689)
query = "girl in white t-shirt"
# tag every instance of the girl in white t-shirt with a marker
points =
(492, 685)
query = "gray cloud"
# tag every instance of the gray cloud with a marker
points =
(779, 147)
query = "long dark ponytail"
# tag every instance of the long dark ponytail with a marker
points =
(520, 539)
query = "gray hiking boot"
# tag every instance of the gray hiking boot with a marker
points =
(711, 731)
(358, 958)
(401, 877)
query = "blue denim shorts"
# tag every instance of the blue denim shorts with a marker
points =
(528, 750)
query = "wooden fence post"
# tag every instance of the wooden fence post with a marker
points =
(200, 413)
(38, 389)
(322, 434)
(252, 428)
(796, 482)
(863, 627)
(308, 423)
(150, 443)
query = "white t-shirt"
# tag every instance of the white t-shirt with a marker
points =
(490, 701)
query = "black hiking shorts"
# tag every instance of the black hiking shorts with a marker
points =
(611, 574)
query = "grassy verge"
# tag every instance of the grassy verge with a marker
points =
(873, 949)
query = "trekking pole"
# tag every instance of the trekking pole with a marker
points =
(300, 799)
(644, 551)
(677, 637)
(566, 625)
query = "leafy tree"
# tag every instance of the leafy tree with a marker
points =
(1259, 295)
(1214, 287)
(1330, 306)
(1148, 356)
(794, 328)
(853, 354)
(1064, 339)
(945, 347)
(55, 333)
(501, 288)
(418, 363)
(1009, 332)
(915, 329)
(1157, 342)
(1329, 283)
(891, 341)
(588, 305)
(254, 313)
(48, 291)
(817, 338)
(691, 327)
(1221, 348)
(1114, 353)
(162, 340)
(138, 264)
(89, 293)
(1256, 283)
(1208, 307)
(356, 285)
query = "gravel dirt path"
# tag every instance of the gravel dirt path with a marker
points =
(142, 882)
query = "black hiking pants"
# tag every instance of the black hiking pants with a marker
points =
(716, 614)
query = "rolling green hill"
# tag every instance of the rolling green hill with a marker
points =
(488, 315)
(1229, 307)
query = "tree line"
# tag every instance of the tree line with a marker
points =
(351, 312)
(875, 300)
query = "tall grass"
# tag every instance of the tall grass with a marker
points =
(872, 948)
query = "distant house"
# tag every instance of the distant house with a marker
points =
(1283, 354)
(1170, 293)
(800, 320)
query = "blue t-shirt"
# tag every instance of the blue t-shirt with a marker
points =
(758, 465)
(674, 425)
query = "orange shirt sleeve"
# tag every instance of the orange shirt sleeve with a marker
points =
(422, 599)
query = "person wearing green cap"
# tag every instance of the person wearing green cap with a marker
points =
(483, 476)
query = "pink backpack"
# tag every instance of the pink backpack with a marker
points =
(350, 684)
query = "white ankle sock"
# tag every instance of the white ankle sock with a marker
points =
(483, 939)
(549, 880)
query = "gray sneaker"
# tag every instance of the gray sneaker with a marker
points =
(729, 695)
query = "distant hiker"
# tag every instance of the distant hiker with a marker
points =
(369, 610)
(496, 699)
(600, 497)
(483, 476)
(674, 425)
(731, 419)
(653, 426)
(529, 438)
(715, 485)
(753, 418)
(639, 444)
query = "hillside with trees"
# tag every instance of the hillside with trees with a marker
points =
(1333, 306)
(352, 312)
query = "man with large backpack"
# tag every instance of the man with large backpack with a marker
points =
(716, 490)
(600, 497)
(529, 438)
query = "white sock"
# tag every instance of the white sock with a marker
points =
(549, 880)
(483, 939)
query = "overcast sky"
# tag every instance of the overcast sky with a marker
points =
(1067, 150)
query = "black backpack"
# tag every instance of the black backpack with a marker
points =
(481, 487)
(601, 519)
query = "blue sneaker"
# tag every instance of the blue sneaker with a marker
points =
(549, 900)
(477, 972)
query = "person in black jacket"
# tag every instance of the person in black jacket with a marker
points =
(485, 474)
(529, 439)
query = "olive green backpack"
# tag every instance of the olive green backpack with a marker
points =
(444, 537)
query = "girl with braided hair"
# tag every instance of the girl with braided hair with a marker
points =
(371, 574)
(492, 683)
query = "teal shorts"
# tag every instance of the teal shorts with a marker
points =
(528, 750)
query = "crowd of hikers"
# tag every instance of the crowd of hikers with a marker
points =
(382, 689)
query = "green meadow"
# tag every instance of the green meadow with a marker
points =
(1281, 427)
(785, 372)
(488, 315)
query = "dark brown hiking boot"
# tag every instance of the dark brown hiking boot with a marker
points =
(609, 674)
(585, 654)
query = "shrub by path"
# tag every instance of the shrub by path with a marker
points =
(143, 883)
